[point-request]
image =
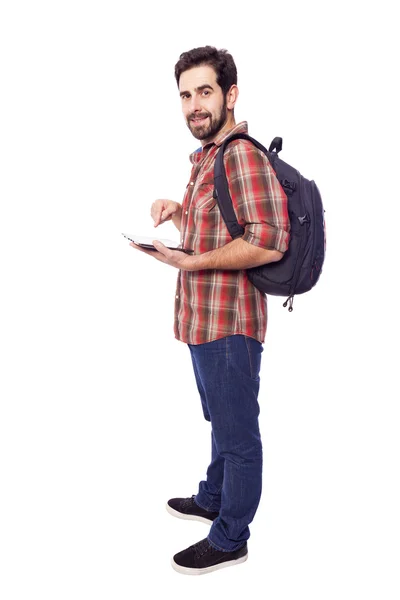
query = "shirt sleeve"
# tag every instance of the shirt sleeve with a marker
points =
(258, 198)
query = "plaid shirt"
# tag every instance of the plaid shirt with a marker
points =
(211, 304)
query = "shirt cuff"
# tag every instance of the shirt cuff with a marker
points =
(267, 237)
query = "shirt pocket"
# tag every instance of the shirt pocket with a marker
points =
(203, 198)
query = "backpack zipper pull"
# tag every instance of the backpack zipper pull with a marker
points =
(290, 300)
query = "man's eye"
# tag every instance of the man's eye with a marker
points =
(206, 92)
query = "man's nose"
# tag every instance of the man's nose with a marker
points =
(195, 103)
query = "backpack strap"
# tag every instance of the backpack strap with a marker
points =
(221, 188)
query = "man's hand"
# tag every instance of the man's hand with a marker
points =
(174, 258)
(163, 210)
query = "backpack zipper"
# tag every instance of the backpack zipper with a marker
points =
(296, 275)
(314, 221)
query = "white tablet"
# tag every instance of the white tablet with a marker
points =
(147, 242)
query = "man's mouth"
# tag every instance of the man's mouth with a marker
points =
(199, 120)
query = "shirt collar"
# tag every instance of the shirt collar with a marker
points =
(241, 127)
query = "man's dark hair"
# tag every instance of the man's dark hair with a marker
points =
(220, 60)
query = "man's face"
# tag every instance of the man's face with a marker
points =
(203, 103)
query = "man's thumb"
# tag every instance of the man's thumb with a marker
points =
(165, 214)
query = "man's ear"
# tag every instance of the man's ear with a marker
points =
(232, 96)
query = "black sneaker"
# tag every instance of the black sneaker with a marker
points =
(204, 558)
(186, 508)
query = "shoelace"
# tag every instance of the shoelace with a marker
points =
(201, 548)
(188, 502)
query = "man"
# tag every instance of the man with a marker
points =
(218, 312)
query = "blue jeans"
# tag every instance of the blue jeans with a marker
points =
(227, 376)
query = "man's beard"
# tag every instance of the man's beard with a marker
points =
(214, 124)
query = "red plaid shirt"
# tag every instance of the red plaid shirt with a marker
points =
(211, 304)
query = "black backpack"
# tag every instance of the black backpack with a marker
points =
(300, 267)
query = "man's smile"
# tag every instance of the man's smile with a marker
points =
(199, 121)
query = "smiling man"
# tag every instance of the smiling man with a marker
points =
(212, 118)
(219, 314)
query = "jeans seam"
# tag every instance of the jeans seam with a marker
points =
(208, 509)
(249, 356)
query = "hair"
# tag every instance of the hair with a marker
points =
(220, 60)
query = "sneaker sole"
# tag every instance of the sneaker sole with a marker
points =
(188, 571)
(180, 515)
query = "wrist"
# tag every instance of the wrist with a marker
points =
(199, 262)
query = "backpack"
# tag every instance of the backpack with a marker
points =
(300, 267)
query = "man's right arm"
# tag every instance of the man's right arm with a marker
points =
(166, 210)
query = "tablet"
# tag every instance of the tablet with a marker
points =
(147, 242)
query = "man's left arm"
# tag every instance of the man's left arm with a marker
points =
(238, 254)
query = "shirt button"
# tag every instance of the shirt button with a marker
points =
(186, 212)
(192, 183)
(177, 297)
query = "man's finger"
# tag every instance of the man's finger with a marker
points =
(162, 217)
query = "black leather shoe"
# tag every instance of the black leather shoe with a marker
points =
(204, 558)
(186, 508)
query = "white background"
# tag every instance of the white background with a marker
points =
(100, 416)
